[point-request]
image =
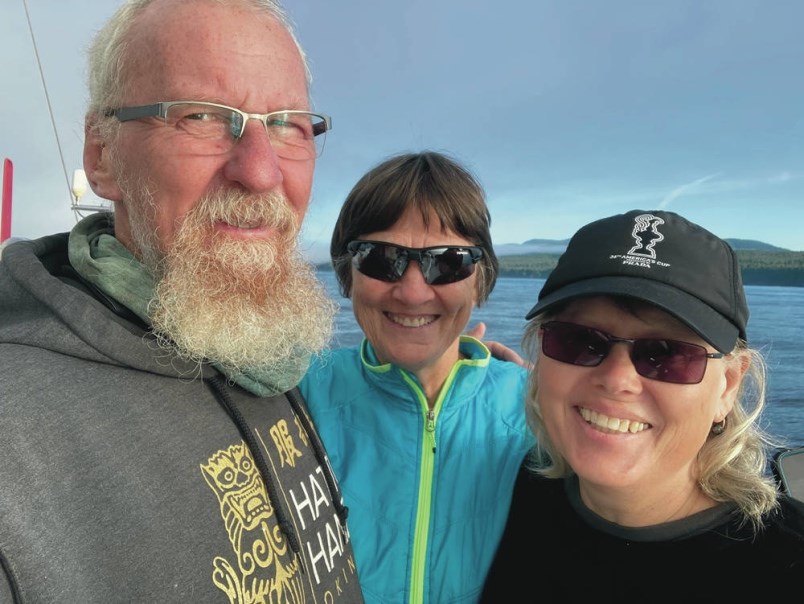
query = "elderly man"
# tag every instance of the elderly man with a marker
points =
(153, 445)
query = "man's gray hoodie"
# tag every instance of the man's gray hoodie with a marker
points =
(129, 475)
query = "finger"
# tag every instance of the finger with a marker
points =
(478, 331)
(504, 353)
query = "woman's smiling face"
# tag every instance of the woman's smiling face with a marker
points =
(616, 427)
(409, 323)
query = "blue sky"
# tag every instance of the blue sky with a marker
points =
(566, 110)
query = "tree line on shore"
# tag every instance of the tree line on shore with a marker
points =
(758, 267)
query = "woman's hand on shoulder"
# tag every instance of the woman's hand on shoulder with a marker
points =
(498, 349)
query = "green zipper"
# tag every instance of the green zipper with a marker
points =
(421, 532)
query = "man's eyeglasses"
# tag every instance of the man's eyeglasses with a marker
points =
(440, 264)
(212, 129)
(654, 358)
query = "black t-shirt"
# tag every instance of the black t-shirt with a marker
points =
(554, 549)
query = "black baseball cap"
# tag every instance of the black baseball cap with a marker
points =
(661, 258)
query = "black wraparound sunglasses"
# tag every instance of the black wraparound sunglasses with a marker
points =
(654, 358)
(440, 264)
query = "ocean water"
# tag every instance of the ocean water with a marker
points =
(776, 327)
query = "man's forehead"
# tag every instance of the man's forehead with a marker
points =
(203, 28)
(226, 56)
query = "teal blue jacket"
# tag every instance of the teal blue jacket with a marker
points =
(428, 491)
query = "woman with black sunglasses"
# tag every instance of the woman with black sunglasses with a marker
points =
(424, 428)
(652, 478)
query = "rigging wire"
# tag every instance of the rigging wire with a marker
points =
(79, 183)
(47, 98)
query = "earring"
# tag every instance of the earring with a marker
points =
(718, 427)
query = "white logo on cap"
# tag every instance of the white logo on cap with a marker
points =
(646, 234)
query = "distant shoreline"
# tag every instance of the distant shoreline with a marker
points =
(753, 277)
(773, 278)
(758, 267)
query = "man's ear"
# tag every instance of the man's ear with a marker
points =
(97, 163)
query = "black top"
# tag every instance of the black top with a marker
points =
(555, 549)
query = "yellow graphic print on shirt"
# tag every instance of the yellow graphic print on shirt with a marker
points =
(260, 575)
(283, 441)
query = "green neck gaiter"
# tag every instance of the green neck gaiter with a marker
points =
(102, 260)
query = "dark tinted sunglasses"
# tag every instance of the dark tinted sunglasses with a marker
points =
(387, 262)
(654, 358)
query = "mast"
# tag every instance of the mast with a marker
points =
(79, 184)
(5, 212)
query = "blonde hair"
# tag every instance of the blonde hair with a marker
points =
(732, 466)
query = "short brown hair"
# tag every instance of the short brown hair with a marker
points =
(430, 182)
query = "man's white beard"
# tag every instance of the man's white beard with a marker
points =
(245, 304)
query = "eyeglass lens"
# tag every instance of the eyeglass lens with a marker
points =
(388, 262)
(213, 130)
(654, 358)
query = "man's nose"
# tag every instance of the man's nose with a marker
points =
(253, 161)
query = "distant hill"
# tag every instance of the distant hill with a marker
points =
(761, 263)
(557, 246)
(532, 246)
(750, 244)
